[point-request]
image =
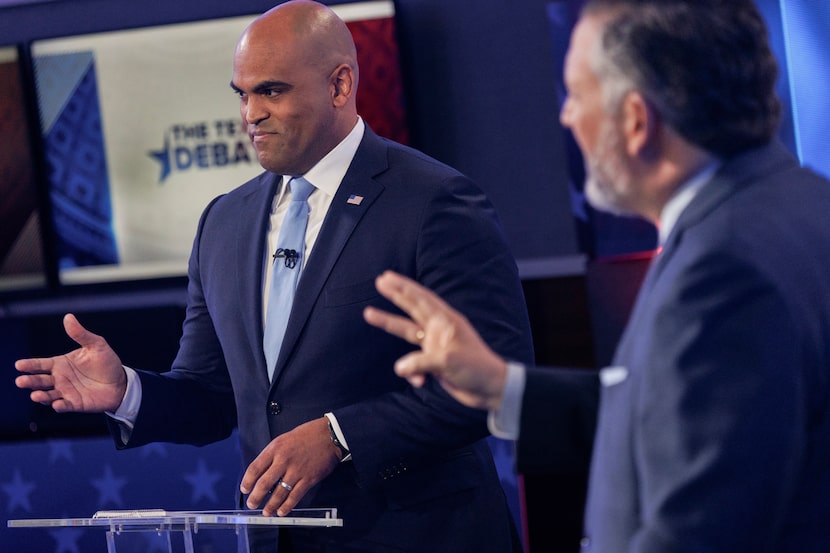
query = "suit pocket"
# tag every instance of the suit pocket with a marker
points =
(353, 293)
(434, 481)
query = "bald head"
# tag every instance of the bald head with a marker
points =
(295, 70)
(307, 30)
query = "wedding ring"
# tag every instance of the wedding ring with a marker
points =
(287, 486)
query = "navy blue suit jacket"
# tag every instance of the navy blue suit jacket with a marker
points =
(421, 479)
(714, 422)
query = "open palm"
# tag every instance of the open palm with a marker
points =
(89, 379)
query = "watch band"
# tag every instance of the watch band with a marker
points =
(345, 454)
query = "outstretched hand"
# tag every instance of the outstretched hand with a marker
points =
(451, 349)
(89, 379)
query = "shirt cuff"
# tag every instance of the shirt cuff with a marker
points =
(504, 422)
(336, 427)
(127, 412)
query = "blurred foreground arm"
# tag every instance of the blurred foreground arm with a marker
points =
(451, 350)
(555, 408)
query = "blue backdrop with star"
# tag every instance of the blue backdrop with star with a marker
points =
(74, 478)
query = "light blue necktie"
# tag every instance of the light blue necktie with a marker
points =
(288, 262)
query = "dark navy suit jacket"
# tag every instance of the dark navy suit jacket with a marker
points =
(421, 479)
(714, 422)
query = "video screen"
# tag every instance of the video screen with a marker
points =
(21, 246)
(141, 130)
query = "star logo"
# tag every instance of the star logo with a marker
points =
(163, 157)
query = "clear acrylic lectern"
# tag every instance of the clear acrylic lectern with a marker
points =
(186, 522)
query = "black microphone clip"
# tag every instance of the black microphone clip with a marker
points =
(291, 256)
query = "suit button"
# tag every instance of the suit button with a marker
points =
(274, 408)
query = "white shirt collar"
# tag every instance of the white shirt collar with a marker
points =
(682, 198)
(327, 174)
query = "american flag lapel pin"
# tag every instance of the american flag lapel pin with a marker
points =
(354, 199)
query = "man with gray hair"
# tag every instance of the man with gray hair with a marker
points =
(713, 432)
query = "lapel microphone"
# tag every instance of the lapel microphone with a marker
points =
(289, 255)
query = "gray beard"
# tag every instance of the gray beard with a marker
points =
(607, 183)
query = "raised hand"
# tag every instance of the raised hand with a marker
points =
(89, 379)
(451, 349)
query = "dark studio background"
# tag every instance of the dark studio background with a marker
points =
(482, 82)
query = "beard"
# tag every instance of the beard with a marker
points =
(608, 183)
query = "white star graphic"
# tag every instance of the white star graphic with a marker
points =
(109, 488)
(18, 491)
(203, 482)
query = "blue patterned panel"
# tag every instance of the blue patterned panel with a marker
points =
(74, 144)
(74, 478)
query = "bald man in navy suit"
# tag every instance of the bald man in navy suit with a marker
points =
(407, 468)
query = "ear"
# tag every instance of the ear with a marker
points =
(342, 85)
(640, 124)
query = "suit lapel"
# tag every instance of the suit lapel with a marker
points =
(337, 228)
(730, 178)
(250, 246)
